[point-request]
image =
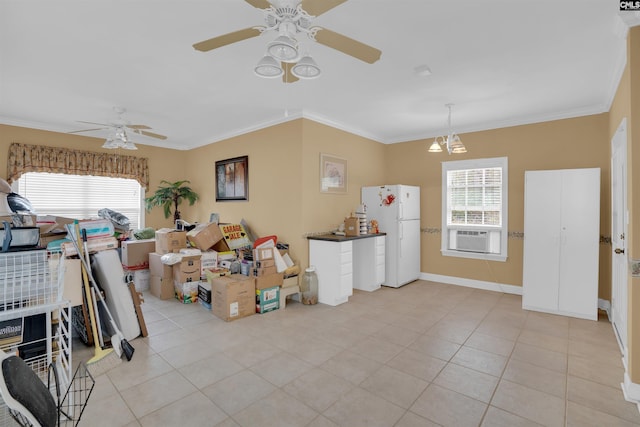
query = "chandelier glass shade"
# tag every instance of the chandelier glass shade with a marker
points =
(451, 141)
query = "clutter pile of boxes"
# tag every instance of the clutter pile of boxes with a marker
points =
(214, 265)
(217, 266)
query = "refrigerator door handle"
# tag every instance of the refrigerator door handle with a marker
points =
(400, 208)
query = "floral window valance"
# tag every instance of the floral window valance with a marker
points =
(25, 158)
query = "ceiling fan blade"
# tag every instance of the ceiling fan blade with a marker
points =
(93, 123)
(216, 42)
(287, 76)
(138, 127)
(86, 130)
(151, 134)
(260, 4)
(318, 7)
(348, 45)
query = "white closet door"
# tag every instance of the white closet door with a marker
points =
(541, 267)
(579, 241)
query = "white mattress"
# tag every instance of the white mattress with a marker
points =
(108, 272)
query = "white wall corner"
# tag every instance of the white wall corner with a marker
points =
(605, 305)
(471, 283)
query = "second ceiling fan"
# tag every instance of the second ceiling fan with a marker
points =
(289, 18)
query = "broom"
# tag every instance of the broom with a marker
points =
(103, 359)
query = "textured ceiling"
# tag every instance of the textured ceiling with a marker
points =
(500, 62)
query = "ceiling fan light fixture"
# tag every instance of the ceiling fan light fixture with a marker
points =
(306, 68)
(110, 143)
(283, 48)
(129, 145)
(268, 67)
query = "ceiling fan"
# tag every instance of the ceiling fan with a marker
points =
(288, 19)
(118, 131)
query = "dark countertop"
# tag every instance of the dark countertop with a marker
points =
(334, 238)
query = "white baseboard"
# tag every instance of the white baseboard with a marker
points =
(631, 391)
(605, 305)
(471, 283)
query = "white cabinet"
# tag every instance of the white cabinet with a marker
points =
(347, 263)
(369, 263)
(334, 267)
(561, 242)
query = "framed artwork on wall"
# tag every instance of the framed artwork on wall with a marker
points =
(232, 179)
(333, 174)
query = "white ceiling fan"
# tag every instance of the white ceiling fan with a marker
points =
(118, 137)
(291, 18)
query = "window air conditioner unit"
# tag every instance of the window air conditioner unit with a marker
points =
(472, 241)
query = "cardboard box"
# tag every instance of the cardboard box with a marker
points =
(47, 238)
(204, 236)
(265, 263)
(212, 273)
(264, 255)
(352, 226)
(264, 271)
(162, 287)
(208, 260)
(141, 278)
(269, 280)
(135, 253)
(157, 268)
(186, 293)
(170, 240)
(267, 299)
(233, 297)
(204, 294)
(20, 220)
(188, 270)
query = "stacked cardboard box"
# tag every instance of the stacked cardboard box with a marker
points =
(161, 282)
(233, 296)
(186, 278)
(169, 240)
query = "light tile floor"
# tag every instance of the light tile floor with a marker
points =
(426, 354)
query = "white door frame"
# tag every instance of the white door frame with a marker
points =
(619, 232)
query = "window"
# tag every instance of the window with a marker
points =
(474, 208)
(82, 196)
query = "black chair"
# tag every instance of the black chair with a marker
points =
(32, 403)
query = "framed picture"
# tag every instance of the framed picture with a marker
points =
(232, 179)
(333, 174)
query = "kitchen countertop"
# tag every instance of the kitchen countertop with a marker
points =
(334, 238)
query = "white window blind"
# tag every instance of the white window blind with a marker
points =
(82, 196)
(474, 197)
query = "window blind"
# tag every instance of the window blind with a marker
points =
(82, 196)
(474, 197)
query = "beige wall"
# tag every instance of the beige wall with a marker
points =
(163, 163)
(284, 186)
(574, 143)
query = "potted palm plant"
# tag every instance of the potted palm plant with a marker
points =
(171, 194)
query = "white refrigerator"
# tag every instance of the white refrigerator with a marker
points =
(397, 210)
